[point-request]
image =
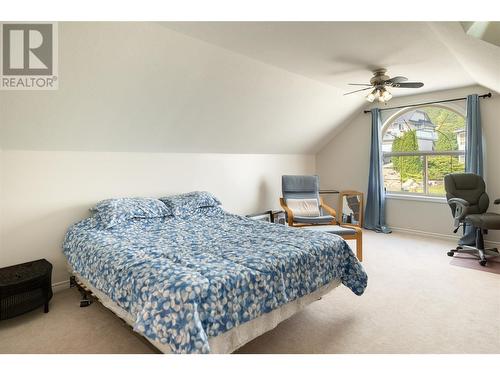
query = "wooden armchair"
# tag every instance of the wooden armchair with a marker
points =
(307, 187)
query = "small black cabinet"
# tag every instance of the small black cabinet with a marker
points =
(24, 287)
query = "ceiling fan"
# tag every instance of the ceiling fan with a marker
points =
(379, 84)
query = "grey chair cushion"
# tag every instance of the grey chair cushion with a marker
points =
(488, 220)
(299, 184)
(300, 187)
(324, 219)
(334, 229)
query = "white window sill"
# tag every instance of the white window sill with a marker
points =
(420, 198)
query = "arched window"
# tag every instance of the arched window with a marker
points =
(419, 147)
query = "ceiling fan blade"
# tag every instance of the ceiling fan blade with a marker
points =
(410, 85)
(359, 84)
(352, 92)
(397, 79)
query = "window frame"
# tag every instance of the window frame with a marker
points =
(425, 196)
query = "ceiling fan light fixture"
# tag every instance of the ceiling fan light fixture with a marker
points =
(371, 96)
(378, 84)
(380, 95)
(387, 95)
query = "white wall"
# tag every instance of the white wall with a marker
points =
(1, 203)
(344, 164)
(45, 192)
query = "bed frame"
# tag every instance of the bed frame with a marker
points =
(225, 343)
(87, 295)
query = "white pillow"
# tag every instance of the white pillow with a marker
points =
(303, 207)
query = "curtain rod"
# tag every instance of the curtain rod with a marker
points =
(488, 95)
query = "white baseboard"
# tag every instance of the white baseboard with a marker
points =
(452, 237)
(60, 286)
(416, 232)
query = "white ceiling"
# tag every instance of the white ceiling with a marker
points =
(480, 58)
(337, 53)
(484, 30)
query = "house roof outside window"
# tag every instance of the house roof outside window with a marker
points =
(414, 120)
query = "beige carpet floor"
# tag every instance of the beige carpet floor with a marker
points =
(416, 302)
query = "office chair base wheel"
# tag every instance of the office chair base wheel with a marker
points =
(450, 253)
(482, 263)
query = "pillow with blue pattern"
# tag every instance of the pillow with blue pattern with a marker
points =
(188, 203)
(111, 212)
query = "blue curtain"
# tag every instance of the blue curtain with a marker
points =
(474, 145)
(473, 156)
(375, 199)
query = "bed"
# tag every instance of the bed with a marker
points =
(193, 278)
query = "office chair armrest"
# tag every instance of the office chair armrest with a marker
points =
(497, 201)
(461, 208)
(460, 201)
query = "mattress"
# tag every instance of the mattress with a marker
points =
(185, 281)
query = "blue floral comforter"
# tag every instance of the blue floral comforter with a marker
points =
(186, 279)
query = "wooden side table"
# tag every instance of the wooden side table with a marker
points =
(24, 287)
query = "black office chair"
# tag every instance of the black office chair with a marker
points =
(467, 198)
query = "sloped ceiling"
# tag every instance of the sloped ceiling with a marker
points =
(478, 57)
(484, 30)
(141, 87)
(338, 53)
(230, 87)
